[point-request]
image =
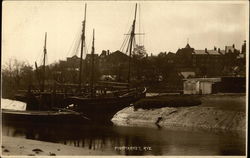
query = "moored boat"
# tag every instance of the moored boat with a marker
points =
(98, 103)
(51, 116)
(16, 111)
(103, 107)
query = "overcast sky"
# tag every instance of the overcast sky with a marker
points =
(167, 26)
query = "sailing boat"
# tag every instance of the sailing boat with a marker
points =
(96, 106)
(29, 97)
(103, 107)
(38, 105)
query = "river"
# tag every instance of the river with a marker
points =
(133, 140)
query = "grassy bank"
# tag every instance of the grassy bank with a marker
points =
(168, 101)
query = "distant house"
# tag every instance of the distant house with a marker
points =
(199, 85)
(206, 62)
(184, 59)
(118, 57)
(72, 62)
(89, 58)
(114, 64)
(68, 70)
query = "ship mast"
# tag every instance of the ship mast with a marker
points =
(44, 55)
(82, 45)
(131, 40)
(92, 65)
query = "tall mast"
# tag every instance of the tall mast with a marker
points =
(92, 64)
(82, 45)
(44, 55)
(132, 36)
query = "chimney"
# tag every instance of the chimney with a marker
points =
(104, 52)
(233, 46)
(206, 50)
(243, 48)
(219, 51)
(215, 48)
(108, 52)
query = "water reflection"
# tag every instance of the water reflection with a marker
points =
(138, 140)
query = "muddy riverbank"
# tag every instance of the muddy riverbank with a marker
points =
(19, 146)
(219, 112)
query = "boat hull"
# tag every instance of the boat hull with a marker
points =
(41, 117)
(102, 109)
(97, 109)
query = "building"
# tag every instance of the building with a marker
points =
(88, 59)
(71, 63)
(206, 62)
(67, 70)
(114, 64)
(199, 85)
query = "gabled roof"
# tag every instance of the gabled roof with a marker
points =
(73, 57)
(216, 52)
(117, 56)
(170, 54)
(211, 52)
(200, 52)
(118, 53)
(104, 53)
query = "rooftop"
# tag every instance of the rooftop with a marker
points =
(211, 52)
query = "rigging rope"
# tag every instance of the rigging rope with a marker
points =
(128, 27)
(126, 40)
(76, 48)
(77, 43)
(71, 47)
(76, 40)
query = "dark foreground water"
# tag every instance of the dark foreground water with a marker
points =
(132, 140)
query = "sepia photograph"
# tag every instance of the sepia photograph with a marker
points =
(124, 78)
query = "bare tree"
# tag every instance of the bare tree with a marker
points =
(15, 75)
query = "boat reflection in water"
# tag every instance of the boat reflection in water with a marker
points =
(137, 140)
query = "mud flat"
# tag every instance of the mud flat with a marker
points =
(25, 147)
(202, 116)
